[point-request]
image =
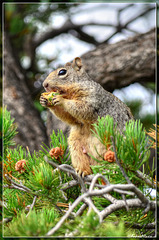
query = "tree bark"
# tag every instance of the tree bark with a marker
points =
(17, 98)
(123, 63)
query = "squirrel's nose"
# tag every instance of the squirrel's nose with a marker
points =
(45, 84)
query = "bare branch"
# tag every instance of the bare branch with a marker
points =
(68, 25)
(31, 206)
(132, 203)
(103, 191)
(111, 208)
(81, 210)
(139, 226)
(66, 168)
(17, 186)
(145, 178)
(139, 15)
(95, 179)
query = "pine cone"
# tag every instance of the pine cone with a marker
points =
(19, 166)
(109, 156)
(56, 152)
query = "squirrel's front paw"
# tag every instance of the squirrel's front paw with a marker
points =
(57, 100)
(43, 101)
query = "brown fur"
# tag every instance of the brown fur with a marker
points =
(79, 104)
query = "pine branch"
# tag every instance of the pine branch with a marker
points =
(17, 186)
(140, 195)
(103, 191)
(118, 163)
(68, 169)
(139, 226)
(145, 178)
(21, 187)
(132, 203)
(119, 204)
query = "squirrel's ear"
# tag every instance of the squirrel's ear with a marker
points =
(68, 64)
(77, 63)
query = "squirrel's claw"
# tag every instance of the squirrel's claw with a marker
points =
(56, 100)
(81, 173)
(43, 101)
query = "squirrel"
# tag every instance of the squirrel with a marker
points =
(79, 103)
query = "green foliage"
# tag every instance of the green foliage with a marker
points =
(104, 129)
(132, 146)
(45, 182)
(38, 106)
(89, 226)
(36, 224)
(9, 129)
(57, 140)
(136, 107)
(1, 120)
(16, 201)
(43, 178)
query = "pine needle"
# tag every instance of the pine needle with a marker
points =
(153, 135)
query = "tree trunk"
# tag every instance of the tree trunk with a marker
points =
(17, 98)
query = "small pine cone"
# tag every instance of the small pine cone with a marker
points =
(19, 166)
(56, 152)
(109, 156)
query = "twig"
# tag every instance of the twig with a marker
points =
(139, 226)
(66, 168)
(61, 167)
(73, 183)
(123, 192)
(63, 194)
(145, 178)
(92, 206)
(118, 163)
(110, 198)
(81, 210)
(32, 205)
(126, 205)
(18, 186)
(12, 186)
(95, 179)
(68, 185)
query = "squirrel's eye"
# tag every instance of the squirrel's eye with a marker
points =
(62, 72)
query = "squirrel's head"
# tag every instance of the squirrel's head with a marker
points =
(69, 74)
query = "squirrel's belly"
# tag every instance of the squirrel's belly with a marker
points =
(82, 144)
(96, 149)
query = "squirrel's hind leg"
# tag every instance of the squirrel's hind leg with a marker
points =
(80, 158)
